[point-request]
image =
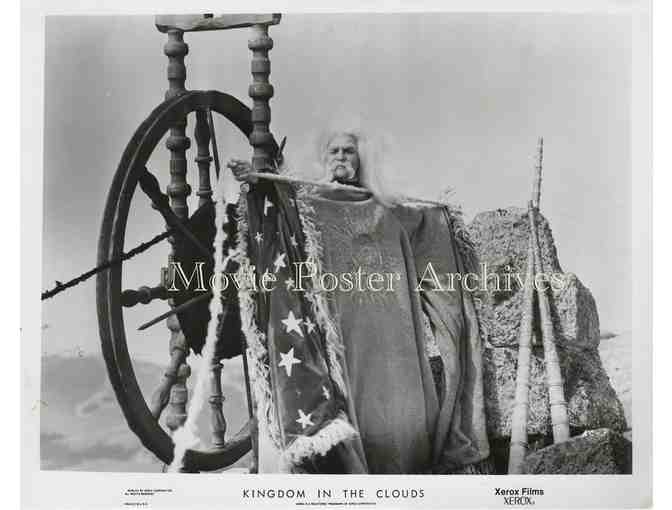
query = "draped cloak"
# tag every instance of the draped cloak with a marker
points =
(405, 423)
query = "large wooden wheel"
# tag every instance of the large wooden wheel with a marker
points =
(111, 298)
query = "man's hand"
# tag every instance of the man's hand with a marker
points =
(241, 170)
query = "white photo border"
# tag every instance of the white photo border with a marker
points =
(49, 489)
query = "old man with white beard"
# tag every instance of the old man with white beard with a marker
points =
(407, 420)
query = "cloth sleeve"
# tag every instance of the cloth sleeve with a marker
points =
(460, 434)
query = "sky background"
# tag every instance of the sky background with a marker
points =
(463, 96)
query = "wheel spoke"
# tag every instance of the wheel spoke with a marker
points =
(150, 185)
(177, 309)
(215, 152)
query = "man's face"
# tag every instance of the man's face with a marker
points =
(342, 159)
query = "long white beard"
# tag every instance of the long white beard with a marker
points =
(343, 172)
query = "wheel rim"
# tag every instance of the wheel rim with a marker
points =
(108, 289)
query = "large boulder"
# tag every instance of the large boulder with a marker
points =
(501, 241)
(595, 452)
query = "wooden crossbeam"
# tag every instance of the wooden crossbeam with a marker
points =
(203, 22)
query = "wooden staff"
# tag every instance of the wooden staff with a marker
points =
(518, 448)
(536, 189)
(556, 392)
(334, 186)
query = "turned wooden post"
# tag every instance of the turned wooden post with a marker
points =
(177, 402)
(178, 190)
(177, 142)
(217, 421)
(261, 91)
(203, 158)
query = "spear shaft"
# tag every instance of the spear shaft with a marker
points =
(334, 186)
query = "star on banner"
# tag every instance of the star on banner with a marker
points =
(288, 360)
(304, 419)
(279, 262)
(267, 205)
(325, 392)
(289, 283)
(309, 324)
(292, 324)
(259, 237)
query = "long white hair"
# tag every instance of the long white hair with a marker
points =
(373, 160)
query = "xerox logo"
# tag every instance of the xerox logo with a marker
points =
(518, 496)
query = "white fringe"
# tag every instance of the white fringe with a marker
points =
(257, 352)
(187, 435)
(320, 443)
